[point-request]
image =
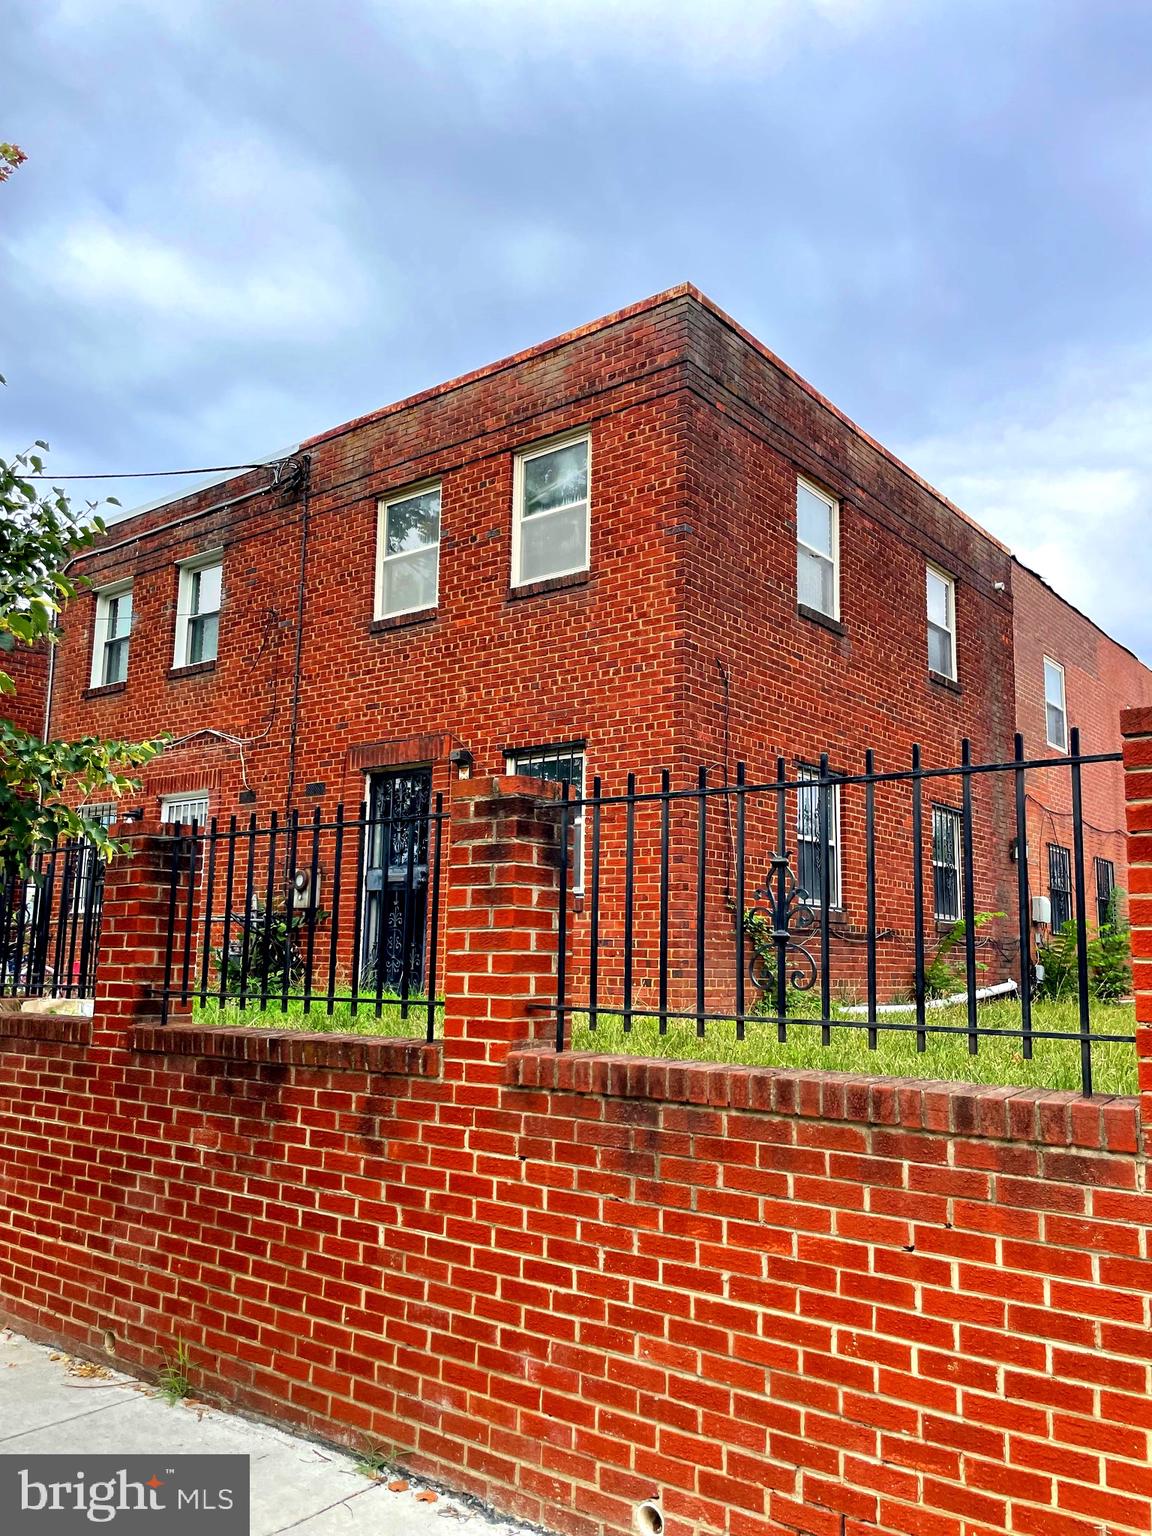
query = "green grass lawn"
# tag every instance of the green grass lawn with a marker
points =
(1000, 1058)
(341, 1021)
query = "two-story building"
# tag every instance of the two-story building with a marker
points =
(644, 545)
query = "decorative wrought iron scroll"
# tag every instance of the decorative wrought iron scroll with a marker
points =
(778, 924)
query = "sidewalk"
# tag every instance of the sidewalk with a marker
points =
(50, 1403)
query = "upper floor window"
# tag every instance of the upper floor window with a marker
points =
(817, 550)
(816, 851)
(1055, 705)
(550, 512)
(198, 611)
(941, 623)
(558, 765)
(110, 636)
(408, 553)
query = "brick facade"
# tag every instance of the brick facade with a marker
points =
(682, 645)
(789, 1304)
(1101, 680)
(27, 666)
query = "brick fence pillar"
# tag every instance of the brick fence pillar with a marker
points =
(1136, 728)
(501, 922)
(134, 926)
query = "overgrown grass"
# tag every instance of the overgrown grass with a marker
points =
(1000, 1057)
(341, 1021)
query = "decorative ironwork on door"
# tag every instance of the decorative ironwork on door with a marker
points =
(396, 879)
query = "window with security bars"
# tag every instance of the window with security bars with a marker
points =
(812, 854)
(184, 809)
(946, 844)
(1105, 892)
(557, 765)
(1059, 885)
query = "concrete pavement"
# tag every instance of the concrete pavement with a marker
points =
(51, 1404)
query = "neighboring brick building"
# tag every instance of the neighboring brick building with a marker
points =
(651, 618)
(1070, 673)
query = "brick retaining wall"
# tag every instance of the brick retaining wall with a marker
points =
(787, 1302)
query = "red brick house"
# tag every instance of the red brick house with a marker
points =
(645, 544)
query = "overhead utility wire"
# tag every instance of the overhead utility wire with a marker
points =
(152, 474)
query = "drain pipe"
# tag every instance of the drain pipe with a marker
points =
(648, 1517)
(293, 733)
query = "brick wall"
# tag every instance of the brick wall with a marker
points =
(1101, 678)
(786, 1302)
(27, 666)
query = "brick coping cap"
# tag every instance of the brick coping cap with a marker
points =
(292, 1047)
(973, 1109)
(68, 1028)
(1137, 721)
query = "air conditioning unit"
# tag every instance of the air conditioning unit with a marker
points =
(1042, 911)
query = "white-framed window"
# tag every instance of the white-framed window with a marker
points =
(182, 809)
(947, 826)
(408, 552)
(811, 853)
(941, 623)
(1055, 704)
(198, 610)
(550, 511)
(817, 550)
(559, 765)
(111, 633)
(198, 596)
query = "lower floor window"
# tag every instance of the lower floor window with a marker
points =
(1105, 892)
(946, 830)
(557, 765)
(184, 809)
(814, 851)
(1059, 885)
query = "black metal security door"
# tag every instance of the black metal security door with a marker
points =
(396, 879)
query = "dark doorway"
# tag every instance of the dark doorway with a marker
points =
(396, 880)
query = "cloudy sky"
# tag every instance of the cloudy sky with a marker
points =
(245, 220)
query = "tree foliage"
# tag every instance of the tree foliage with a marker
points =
(40, 782)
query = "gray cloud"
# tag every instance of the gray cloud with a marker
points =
(240, 224)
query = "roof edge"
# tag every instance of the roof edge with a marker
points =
(628, 312)
(538, 349)
(1080, 614)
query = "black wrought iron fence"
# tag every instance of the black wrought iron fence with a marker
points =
(881, 901)
(320, 915)
(50, 925)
